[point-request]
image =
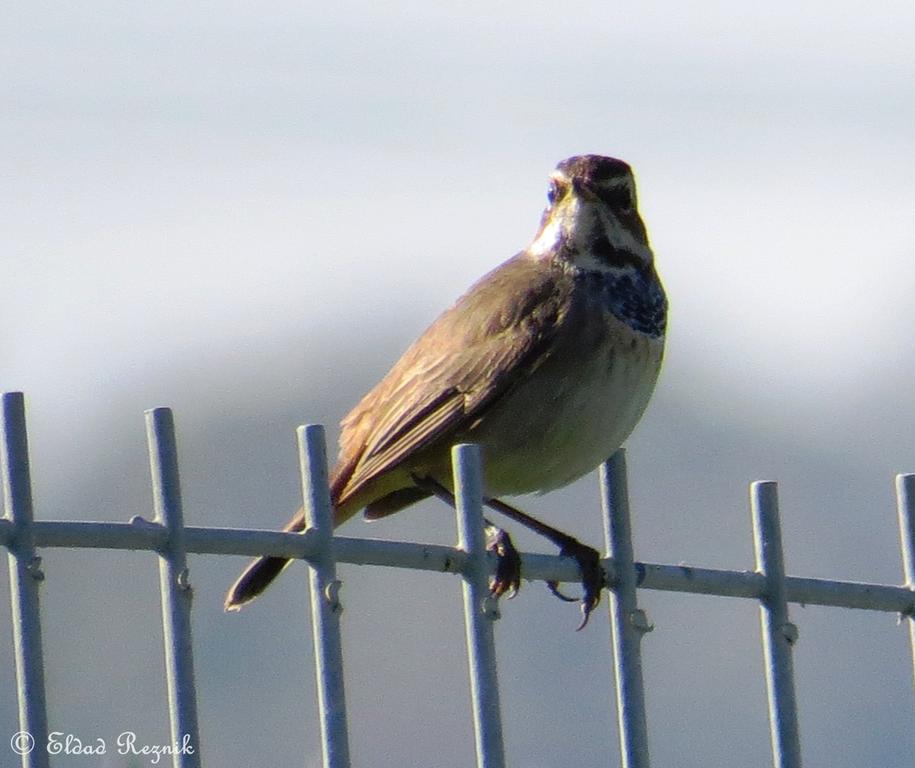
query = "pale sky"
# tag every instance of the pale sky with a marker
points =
(245, 211)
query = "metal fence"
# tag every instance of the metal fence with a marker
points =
(172, 540)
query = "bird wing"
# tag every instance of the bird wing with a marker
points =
(498, 331)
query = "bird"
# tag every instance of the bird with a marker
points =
(547, 362)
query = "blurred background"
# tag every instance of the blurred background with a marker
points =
(247, 211)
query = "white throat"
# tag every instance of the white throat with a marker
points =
(580, 225)
(547, 239)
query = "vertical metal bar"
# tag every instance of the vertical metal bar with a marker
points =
(25, 576)
(627, 620)
(778, 633)
(905, 505)
(325, 603)
(480, 608)
(174, 589)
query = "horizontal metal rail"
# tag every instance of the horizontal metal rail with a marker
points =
(144, 535)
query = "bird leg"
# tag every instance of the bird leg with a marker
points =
(588, 558)
(508, 572)
(507, 578)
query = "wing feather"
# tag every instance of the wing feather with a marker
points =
(498, 331)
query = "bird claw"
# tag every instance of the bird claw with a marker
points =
(553, 586)
(592, 578)
(588, 604)
(507, 578)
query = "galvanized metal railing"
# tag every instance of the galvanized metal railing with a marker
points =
(167, 535)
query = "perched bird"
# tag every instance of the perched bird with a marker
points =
(547, 362)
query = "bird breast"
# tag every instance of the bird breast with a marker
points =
(570, 414)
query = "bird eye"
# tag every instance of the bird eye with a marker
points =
(554, 192)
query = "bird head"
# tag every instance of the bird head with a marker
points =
(592, 220)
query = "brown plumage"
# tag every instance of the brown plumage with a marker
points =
(514, 365)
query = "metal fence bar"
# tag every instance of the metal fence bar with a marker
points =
(480, 609)
(627, 620)
(172, 540)
(778, 633)
(143, 535)
(905, 505)
(175, 589)
(325, 604)
(836, 594)
(25, 576)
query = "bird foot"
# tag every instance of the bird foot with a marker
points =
(592, 577)
(507, 578)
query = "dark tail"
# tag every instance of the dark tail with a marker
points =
(259, 575)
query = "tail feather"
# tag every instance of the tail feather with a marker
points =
(254, 580)
(260, 573)
(394, 502)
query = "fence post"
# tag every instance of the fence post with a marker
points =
(905, 505)
(25, 576)
(175, 589)
(325, 603)
(627, 620)
(480, 608)
(778, 633)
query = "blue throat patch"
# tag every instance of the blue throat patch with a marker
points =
(633, 298)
